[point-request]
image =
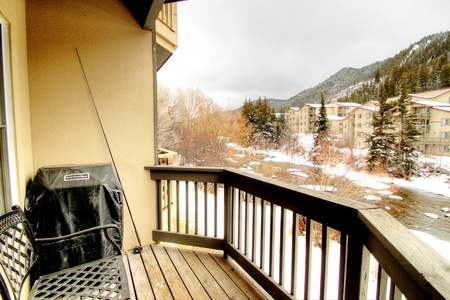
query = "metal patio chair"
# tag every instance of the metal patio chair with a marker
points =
(104, 278)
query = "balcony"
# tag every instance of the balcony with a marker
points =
(166, 33)
(293, 242)
(434, 140)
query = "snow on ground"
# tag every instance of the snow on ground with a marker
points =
(434, 183)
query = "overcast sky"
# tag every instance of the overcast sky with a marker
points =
(234, 50)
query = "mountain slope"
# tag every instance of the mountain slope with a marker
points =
(429, 52)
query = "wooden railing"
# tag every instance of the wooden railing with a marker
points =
(168, 16)
(297, 243)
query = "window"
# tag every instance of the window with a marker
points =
(359, 116)
(368, 125)
(368, 115)
(359, 125)
(445, 134)
(445, 122)
(443, 148)
(5, 136)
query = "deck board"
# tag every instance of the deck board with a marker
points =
(166, 272)
(191, 281)
(157, 280)
(176, 284)
(139, 276)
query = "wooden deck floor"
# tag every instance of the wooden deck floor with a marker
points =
(165, 272)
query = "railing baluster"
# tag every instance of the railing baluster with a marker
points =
(196, 207)
(324, 263)
(263, 235)
(382, 283)
(342, 265)
(255, 228)
(239, 229)
(294, 270)
(394, 293)
(272, 240)
(205, 212)
(158, 198)
(187, 206)
(233, 207)
(246, 233)
(282, 245)
(178, 206)
(169, 205)
(308, 258)
(215, 209)
(228, 217)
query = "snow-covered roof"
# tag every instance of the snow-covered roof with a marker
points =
(370, 108)
(353, 104)
(294, 108)
(335, 118)
(431, 103)
(431, 94)
(447, 108)
(313, 104)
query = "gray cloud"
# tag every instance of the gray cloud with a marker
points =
(234, 50)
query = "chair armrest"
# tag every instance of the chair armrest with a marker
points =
(81, 232)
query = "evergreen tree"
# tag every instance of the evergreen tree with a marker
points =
(382, 140)
(322, 125)
(423, 78)
(405, 162)
(266, 128)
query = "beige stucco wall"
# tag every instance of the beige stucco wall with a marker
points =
(13, 15)
(117, 57)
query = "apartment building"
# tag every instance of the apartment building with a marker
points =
(301, 119)
(353, 122)
(433, 112)
(357, 126)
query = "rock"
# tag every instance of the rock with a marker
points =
(430, 215)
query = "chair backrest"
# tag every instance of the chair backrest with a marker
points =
(17, 251)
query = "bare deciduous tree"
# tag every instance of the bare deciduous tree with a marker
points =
(195, 126)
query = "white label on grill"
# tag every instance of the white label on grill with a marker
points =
(80, 176)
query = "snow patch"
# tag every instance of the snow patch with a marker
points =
(430, 215)
(372, 198)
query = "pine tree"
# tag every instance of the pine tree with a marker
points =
(382, 140)
(266, 128)
(405, 161)
(322, 125)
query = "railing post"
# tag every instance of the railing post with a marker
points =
(227, 218)
(159, 204)
(357, 273)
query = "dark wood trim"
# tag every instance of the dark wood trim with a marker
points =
(188, 239)
(213, 175)
(270, 286)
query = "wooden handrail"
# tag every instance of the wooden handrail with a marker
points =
(415, 270)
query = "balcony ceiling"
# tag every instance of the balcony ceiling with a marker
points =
(146, 11)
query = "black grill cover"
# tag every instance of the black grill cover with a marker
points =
(66, 199)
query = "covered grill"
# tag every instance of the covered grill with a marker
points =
(65, 200)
